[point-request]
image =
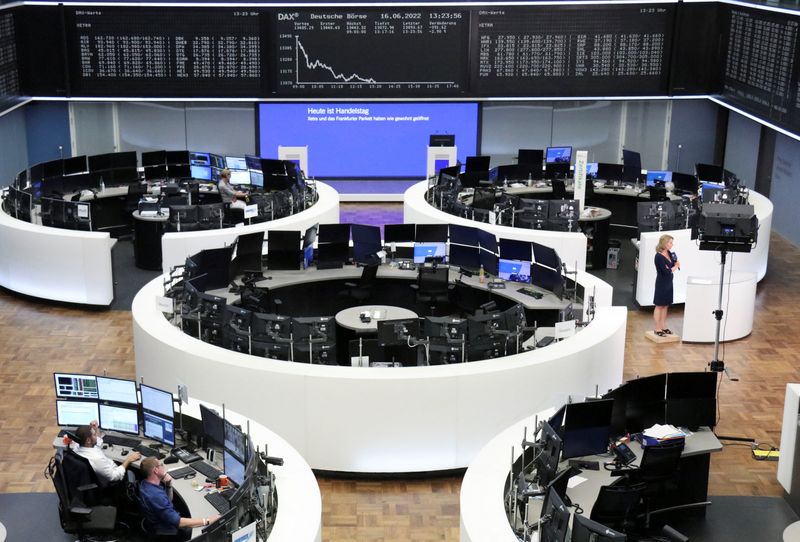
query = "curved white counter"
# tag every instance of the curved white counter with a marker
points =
(696, 262)
(376, 420)
(571, 246)
(299, 516)
(702, 298)
(54, 263)
(176, 246)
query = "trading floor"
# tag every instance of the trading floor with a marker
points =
(38, 339)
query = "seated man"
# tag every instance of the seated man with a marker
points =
(89, 447)
(228, 193)
(155, 497)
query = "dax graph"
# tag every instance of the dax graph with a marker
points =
(372, 52)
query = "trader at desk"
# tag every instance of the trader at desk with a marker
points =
(228, 193)
(155, 497)
(89, 447)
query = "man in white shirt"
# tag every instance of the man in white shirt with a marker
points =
(89, 447)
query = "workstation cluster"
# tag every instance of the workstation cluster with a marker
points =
(136, 417)
(254, 316)
(628, 462)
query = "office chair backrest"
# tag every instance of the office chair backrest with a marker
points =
(432, 280)
(616, 504)
(559, 189)
(78, 472)
(660, 462)
(368, 275)
(658, 193)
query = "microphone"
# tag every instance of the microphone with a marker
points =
(674, 258)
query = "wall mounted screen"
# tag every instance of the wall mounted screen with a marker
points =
(372, 140)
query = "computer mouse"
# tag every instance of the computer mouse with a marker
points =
(210, 481)
(125, 452)
(189, 476)
(105, 446)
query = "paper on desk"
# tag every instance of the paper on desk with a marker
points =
(575, 481)
(659, 431)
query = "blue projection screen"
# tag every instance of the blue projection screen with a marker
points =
(366, 140)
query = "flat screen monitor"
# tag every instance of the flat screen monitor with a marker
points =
(691, 399)
(514, 249)
(544, 255)
(547, 278)
(586, 530)
(123, 160)
(591, 170)
(556, 527)
(100, 162)
(707, 173)
(240, 177)
(632, 166)
(253, 162)
(215, 264)
(547, 461)
(76, 164)
(533, 157)
(157, 401)
(477, 163)
(514, 270)
(213, 428)
(308, 256)
(310, 236)
(429, 250)
(465, 257)
(587, 427)
(200, 159)
(489, 262)
(332, 255)
(487, 241)
(610, 172)
(118, 418)
(448, 176)
(431, 233)
(234, 440)
(654, 177)
(75, 386)
(76, 412)
(257, 179)
(272, 166)
(202, 173)
(441, 140)
(645, 402)
(154, 173)
(399, 233)
(366, 243)
(685, 183)
(464, 235)
(558, 155)
(396, 332)
(557, 419)
(334, 233)
(233, 467)
(154, 158)
(177, 157)
(117, 390)
(159, 428)
(249, 249)
(236, 162)
(281, 240)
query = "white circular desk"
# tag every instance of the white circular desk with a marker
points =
(3, 533)
(350, 317)
(702, 298)
(403, 420)
(790, 533)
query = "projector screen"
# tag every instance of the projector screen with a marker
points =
(366, 140)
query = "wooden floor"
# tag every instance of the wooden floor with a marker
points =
(38, 339)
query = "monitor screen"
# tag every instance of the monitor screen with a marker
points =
(489, 262)
(253, 162)
(547, 461)
(158, 401)
(177, 157)
(116, 390)
(308, 256)
(464, 235)
(233, 467)
(240, 176)
(159, 428)
(200, 159)
(558, 155)
(513, 249)
(76, 412)
(365, 234)
(477, 163)
(76, 164)
(334, 233)
(514, 270)
(429, 250)
(234, 440)
(399, 233)
(587, 427)
(202, 173)
(257, 179)
(544, 255)
(556, 528)
(75, 385)
(236, 162)
(645, 402)
(487, 241)
(684, 182)
(154, 158)
(658, 176)
(283, 241)
(591, 170)
(436, 233)
(610, 172)
(464, 256)
(707, 173)
(121, 419)
(691, 399)
(213, 427)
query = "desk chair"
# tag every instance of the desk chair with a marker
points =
(657, 471)
(480, 215)
(559, 189)
(362, 290)
(232, 216)
(432, 287)
(78, 512)
(183, 215)
(617, 504)
(658, 193)
(468, 299)
(210, 216)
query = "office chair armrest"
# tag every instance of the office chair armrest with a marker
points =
(350, 284)
(87, 487)
(80, 510)
(414, 286)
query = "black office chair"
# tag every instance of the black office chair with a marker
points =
(617, 505)
(559, 189)
(658, 193)
(76, 485)
(658, 472)
(468, 299)
(233, 216)
(432, 287)
(362, 290)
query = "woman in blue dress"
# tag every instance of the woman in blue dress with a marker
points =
(666, 264)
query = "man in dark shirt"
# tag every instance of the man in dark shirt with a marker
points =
(155, 497)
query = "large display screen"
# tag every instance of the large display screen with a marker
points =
(9, 76)
(374, 140)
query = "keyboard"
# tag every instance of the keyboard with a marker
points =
(531, 292)
(121, 441)
(185, 455)
(218, 501)
(181, 472)
(206, 469)
(146, 451)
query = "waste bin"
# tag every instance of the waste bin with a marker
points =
(612, 256)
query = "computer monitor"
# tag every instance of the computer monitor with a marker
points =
(445, 327)
(308, 256)
(366, 243)
(313, 327)
(556, 421)
(155, 173)
(249, 252)
(645, 402)
(233, 467)
(117, 390)
(487, 241)
(75, 386)
(177, 157)
(422, 251)
(154, 158)
(236, 162)
(76, 412)
(257, 179)
(544, 255)
(514, 249)
(332, 255)
(268, 327)
(159, 428)
(558, 155)
(591, 170)
(213, 428)
(396, 332)
(488, 260)
(485, 325)
(586, 530)
(610, 172)
(100, 162)
(654, 177)
(441, 140)
(119, 418)
(239, 177)
(564, 209)
(533, 157)
(547, 461)
(464, 235)
(202, 173)
(157, 401)
(284, 250)
(464, 257)
(75, 165)
(431, 233)
(200, 159)
(587, 427)
(477, 163)
(399, 233)
(556, 527)
(708, 173)
(691, 399)
(253, 162)
(685, 183)
(514, 270)
(632, 166)
(334, 233)
(234, 440)
(448, 176)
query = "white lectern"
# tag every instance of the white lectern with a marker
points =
(440, 153)
(295, 154)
